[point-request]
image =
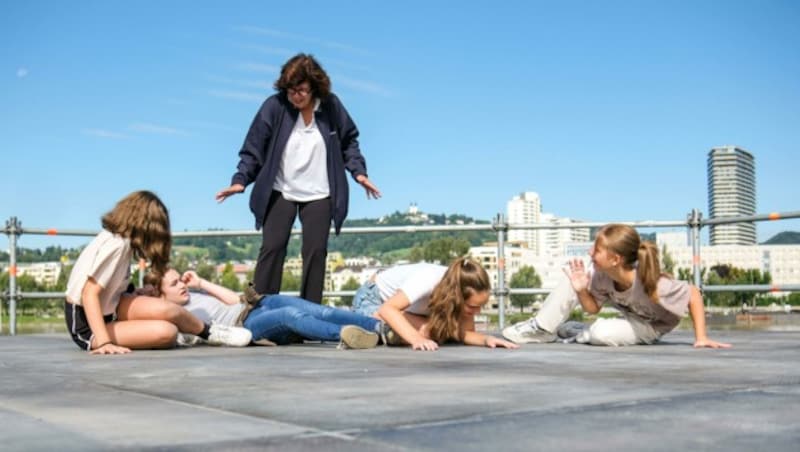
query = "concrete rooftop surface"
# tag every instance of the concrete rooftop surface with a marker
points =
(314, 397)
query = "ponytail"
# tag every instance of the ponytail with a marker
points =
(649, 269)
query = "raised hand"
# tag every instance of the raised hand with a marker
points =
(578, 276)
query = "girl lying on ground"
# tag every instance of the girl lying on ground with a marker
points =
(427, 305)
(278, 319)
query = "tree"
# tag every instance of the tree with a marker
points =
(351, 284)
(290, 282)
(229, 278)
(206, 271)
(667, 262)
(527, 278)
(441, 250)
(723, 275)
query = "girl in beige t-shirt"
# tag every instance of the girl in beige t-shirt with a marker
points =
(102, 316)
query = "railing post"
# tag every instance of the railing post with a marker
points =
(694, 219)
(13, 229)
(501, 227)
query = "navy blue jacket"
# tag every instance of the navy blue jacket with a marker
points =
(260, 157)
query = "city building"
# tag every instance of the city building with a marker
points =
(731, 192)
(525, 208)
(41, 272)
(553, 241)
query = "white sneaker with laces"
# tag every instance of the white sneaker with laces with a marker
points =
(528, 332)
(232, 336)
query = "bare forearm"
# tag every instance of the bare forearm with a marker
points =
(474, 338)
(588, 303)
(698, 314)
(223, 294)
(94, 316)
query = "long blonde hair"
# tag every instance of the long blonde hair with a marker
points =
(625, 241)
(142, 218)
(462, 279)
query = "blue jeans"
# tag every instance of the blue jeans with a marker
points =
(279, 317)
(367, 299)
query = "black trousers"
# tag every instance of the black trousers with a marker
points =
(315, 218)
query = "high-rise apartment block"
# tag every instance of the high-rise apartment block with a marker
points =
(731, 192)
(525, 208)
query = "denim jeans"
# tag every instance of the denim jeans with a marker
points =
(279, 317)
(367, 299)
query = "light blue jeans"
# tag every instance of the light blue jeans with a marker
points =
(279, 317)
(367, 299)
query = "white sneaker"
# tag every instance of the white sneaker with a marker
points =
(188, 340)
(232, 336)
(528, 332)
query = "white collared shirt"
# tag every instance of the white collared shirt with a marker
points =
(303, 174)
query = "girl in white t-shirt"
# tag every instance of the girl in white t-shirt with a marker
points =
(102, 314)
(627, 275)
(427, 305)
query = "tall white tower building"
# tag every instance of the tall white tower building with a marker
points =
(731, 192)
(525, 208)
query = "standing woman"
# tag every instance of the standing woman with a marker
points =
(298, 146)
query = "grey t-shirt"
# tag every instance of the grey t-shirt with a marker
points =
(663, 316)
(209, 309)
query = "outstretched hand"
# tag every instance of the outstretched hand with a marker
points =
(225, 192)
(425, 345)
(372, 190)
(708, 343)
(578, 276)
(494, 342)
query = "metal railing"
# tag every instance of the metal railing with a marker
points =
(693, 222)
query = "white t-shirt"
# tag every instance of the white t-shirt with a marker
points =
(417, 281)
(303, 174)
(209, 309)
(107, 260)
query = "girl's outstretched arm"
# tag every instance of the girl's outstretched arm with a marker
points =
(223, 294)
(101, 340)
(698, 314)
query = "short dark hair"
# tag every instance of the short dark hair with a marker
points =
(304, 68)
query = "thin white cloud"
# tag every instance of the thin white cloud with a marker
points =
(102, 133)
(362, 85)
(215, 126)
(267, 32)
(269, 50)
(284, 35)
(144, 127)
(22, 72)
(258, 67)
(238, 95)
(260, 84)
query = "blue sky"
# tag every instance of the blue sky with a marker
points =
(606, 109)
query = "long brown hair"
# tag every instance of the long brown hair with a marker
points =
(462, 279)
(143, 219)
(625, 241)
(304, 68)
